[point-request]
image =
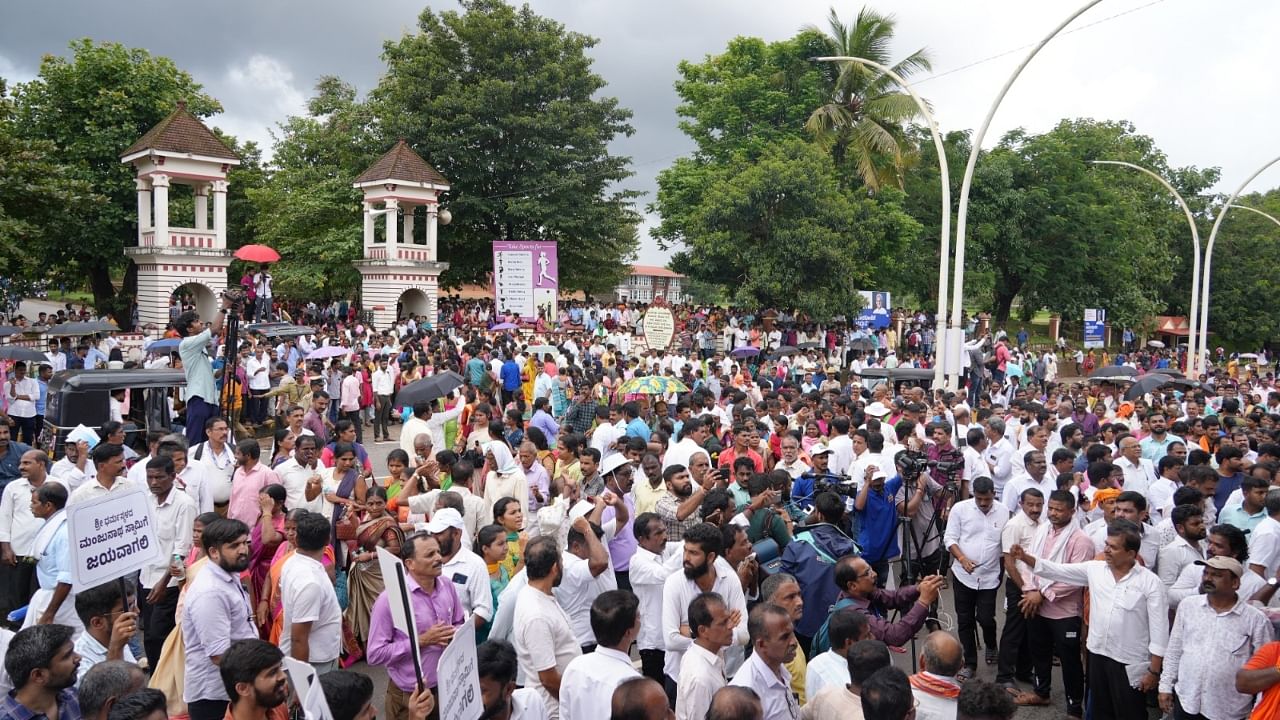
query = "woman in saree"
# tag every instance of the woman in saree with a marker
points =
(509, 515)
(271, 598)
(284, 441)
(169, 670)
(265, 539)
(346, 491)
(491, 545)
(364, 576)
(505, 478)
(546, 455)
(397, 473)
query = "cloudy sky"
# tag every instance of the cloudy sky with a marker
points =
(1198, 76)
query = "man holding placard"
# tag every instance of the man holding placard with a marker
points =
(435, 611)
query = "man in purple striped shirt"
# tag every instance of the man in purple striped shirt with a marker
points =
(437, 613)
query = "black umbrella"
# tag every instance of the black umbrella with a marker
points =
(808, 346)
(429, 388)
(1113, 371)
(784, 351)
(7, 330)
(75, 329)
(1146, 384)
(18, 352)
(861, 343)
(1184, 383)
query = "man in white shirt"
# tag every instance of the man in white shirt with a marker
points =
(189, 478)
(257, 368)
(544, 642)
(301, 476)
(175, 514)
(22, 391)
(702, 670)
(109, 624)
(217, 453)
(18, 530)
(998, 454)
(773, 644)
(312, 630)
(467, 570)
(75, 467)
(1128, 624)
(1186, 548)
(841, 446)
(1036, 476)
(426, 420)
(975, 442)
(586, 690)
(845, 628)
(1015, 650)
(705, 570)
(108, 460)
(973, 539)
(587, 575)
(498, 666)
(648, 574)
(384, 385)
(1139, 472)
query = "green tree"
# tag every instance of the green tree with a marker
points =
(735, 106)
(784, 231)
(35, 193)
(505, 104)
(863, 120)
(1065, 235)
(90, 107)
(309, 212)
(1243, 311)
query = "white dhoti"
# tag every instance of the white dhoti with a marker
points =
(66, 614)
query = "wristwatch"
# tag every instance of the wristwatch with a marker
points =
(1273, 582)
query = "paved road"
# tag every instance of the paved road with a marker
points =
(378, 454)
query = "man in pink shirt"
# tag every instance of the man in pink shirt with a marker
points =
(349, 402)
(1053, 609)
(247, 481)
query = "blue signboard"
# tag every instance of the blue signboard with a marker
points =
(874, 314)
(1095, 321)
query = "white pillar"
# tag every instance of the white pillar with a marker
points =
(433, 216)
(393, 226)
(219, 188)
(160, 189)
(202, 207)
(408, 225)
(144, 206)
(368, 227)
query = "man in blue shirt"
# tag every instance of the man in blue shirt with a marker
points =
(11, 452)
(42, 377)
(877, 513)
(635, 426)
(510, 376)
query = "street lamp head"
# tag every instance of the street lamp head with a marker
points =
(445, 217)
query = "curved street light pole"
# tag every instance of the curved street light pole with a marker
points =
(954, 334)
(1208, 262)
(1268, 216)
(945, 250)
(1192, 358)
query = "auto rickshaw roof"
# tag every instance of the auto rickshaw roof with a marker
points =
(110, 379)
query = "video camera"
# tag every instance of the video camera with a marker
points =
(949, 465)
(841, 485)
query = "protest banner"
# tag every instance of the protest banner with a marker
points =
(306, 685)
(459, 676)
(394, 575)
(659, 328)
(111, 536)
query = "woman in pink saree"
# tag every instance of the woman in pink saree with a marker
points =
(265, 539)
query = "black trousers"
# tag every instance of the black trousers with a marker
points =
(26, 429)
(158, 620)
(354, 417)
(17, 585)
(1113, 698)
(207, 709)
(1061, 638)
(1180, 714)
(623, 578)
(1015, 648)
(651, 662)
(382, 416)
(974, 608)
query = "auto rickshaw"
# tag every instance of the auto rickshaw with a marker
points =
(83, 397)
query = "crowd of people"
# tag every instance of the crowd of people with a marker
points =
(754, 535)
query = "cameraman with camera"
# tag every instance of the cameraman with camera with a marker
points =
(202, 391)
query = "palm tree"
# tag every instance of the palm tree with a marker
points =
(863, 120)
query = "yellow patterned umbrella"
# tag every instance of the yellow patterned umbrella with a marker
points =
(652, 385)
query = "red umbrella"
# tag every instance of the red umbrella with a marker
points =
(258, 254)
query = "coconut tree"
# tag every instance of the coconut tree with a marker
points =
(862, 123)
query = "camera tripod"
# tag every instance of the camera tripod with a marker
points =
(913, 547)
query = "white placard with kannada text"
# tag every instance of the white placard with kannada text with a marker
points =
(659, 328)
(111, 536)
(459, 676)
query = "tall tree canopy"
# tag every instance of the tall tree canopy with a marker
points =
(505, 104)
(1246, 273)
(89, 107)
